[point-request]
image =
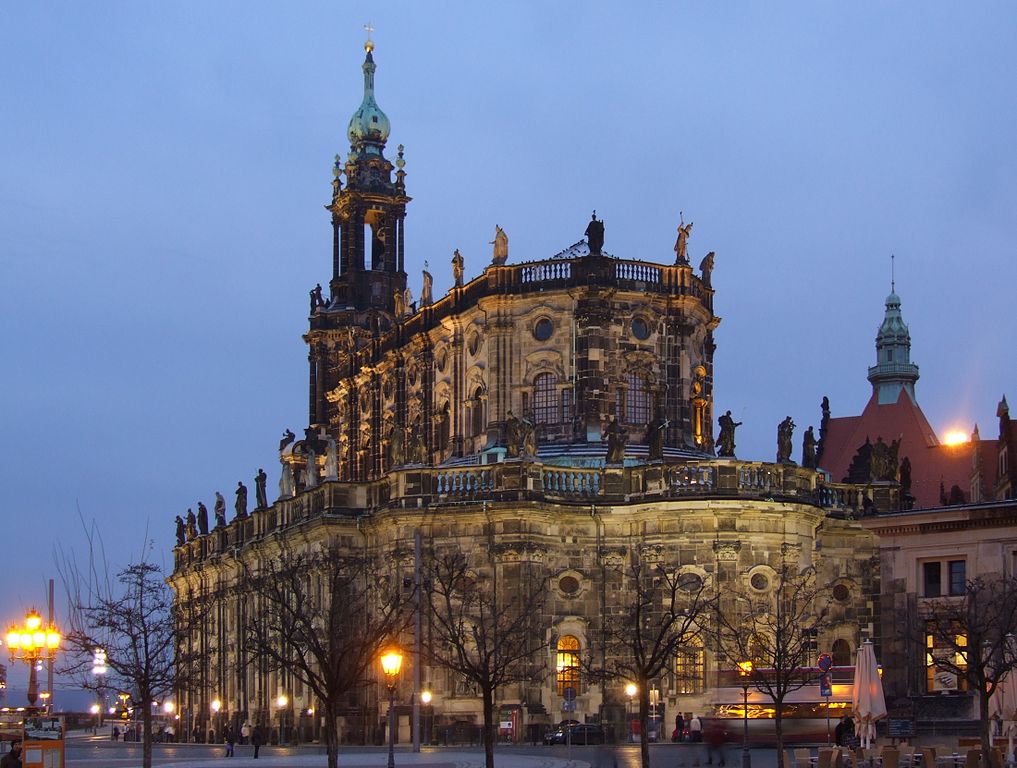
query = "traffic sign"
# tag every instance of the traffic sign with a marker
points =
(825, 662)
(570, 693)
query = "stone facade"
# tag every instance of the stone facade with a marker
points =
(481, 418)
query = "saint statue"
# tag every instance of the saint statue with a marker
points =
(726, 439)
(706, 268)
(513, 435)
(785, 430)
(595, 235)
(425, 292)
(457, 268)
(316, 300)
(654, 438)
(220, 510)
(682, 243)
(809, 449)
(398, 304)
(180, 531)
(240, 505)
(202, 519)
(527, 436)
(332, 460)
(287, 488)
(311, 470)
(287, 438)
(616, 438)
(260, 494)
(500, 243)
(192, 527)
(396, 440)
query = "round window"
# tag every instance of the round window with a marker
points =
(841, 592)
(568, 584)
(690, 582)
(640, 329)
(759, 581)
(543, 329)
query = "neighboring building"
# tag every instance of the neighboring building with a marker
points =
(869, 448)
(480, 417)
(928, 555)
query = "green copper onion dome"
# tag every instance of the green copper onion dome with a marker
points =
(369, 127)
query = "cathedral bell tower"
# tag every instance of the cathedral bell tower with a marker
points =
(368, 215)
(893, 370)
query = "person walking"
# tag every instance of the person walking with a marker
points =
(695, 728)
(256, 740)
(245, 732)
(227, 737)
(715, 736)
(13, 758)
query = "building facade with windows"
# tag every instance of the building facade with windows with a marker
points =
(550, 414)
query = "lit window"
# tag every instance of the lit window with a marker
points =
(689, 670)
(567, 665)
(544, 400)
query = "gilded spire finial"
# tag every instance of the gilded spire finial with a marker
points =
(369, 45)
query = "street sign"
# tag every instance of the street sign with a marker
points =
(568, 706)
(825, 662)
(570, 693)
(826, 684)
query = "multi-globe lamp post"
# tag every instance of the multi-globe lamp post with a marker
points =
(33, 644)
(391, 662)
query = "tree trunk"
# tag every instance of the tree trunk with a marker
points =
(488, 696)
(778, 726)
(331, 735)
(146, 736)
(644, 717)
(984, 725)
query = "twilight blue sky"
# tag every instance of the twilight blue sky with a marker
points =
(164, 168)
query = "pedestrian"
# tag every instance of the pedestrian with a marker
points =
(13, 758)
(227, 738)
(115, 735)
(715, 737)
(695, 728)
(245, 731)
(256, 740)
(679, 726)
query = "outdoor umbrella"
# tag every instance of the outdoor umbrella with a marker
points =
(1003, 705)
(867, 702)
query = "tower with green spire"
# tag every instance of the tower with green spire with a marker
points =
(893, 370)
(368, 214)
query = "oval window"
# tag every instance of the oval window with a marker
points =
(543, 329)
(474, 343)
(568, 584)
(640, 329)
(841, 592)
(690, 582)
(759, 581)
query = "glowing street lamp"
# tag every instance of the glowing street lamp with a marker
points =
(281, 702)
(745, 672)
(391, 661)
(630, 690)
(33, 644)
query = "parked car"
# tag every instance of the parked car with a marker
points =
(580, 733)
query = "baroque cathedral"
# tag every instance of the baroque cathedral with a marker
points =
(555, 412)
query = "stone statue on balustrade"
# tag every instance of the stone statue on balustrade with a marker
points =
(287, 438)
(512, 436)
(192, 527)
(240, 505)
(616, 437)
(332, 460)
(527, 437)
(260, 493)
(681, 246)
(706, 268)
(426, 291)
(595, 235)
(396, 446)
(654, 438)
(726, 439)
(500, 243)
(219, 510)
(202, 519)
(311, 470)
(458, 269)
(287, 485)
(809, 449)
(181, 531)
(785, 432)
(418, 442)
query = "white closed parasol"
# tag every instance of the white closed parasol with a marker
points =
(867, 702)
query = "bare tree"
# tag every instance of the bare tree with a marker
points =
(663, 611)
(973, 640)
(324, 616)
(132, 618)
(772, 631)
(484, 632)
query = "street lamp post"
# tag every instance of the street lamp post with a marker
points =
(391, 661)
(33, 644)
(630, 691)
(745, 670)
(282, 702)
(216, 708)
(425, 699)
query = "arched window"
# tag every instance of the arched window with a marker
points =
(567, 664)
(477, 423)
(689, 672)
(637, 400)
(841, 653)
(544, 400)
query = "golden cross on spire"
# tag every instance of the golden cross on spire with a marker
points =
(369, 45)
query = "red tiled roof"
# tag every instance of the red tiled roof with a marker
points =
(931, 462)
